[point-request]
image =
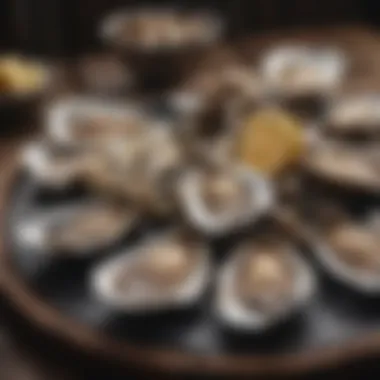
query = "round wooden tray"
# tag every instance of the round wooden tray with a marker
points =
(358, 337)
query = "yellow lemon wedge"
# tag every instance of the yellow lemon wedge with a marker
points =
(270, 141)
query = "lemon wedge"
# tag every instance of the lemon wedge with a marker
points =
(271, 140)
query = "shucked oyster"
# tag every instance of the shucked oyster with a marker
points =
(84, 121)
(347, 247)
(262, 284)
(355, 115)
(77, 230)
(303, 78)
(139, 170)
(53, 165)
(166, 271)
(220, 200)
(352, 168)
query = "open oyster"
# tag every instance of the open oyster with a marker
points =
(301, 69)
(53, 165)
(141, 170)
(355, 116)
(263, 283)
(351, 167)
(347, 247)
(79, 121)
(220, 200)
(77, 230)
(302, 77)
(169, 270)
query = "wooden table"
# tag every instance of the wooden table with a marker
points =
(24, 354)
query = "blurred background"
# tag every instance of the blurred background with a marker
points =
(68, 27)
(64, 29)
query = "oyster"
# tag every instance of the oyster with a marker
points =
(79, 121)
(347, 247)
(141, 171)
(355, 115)
(345, 165)
(219, 200)
(262, 284)
(77, 230)
(166, 271)
(302, 70)
(304, 79)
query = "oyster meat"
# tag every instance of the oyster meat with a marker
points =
(78, 229)
(141, 170)
(262, 284)
(219, 200)
(167, 271)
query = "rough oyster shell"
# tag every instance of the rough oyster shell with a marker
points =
(76, 230)
(258, 200)
(235, 313)
(144, 294)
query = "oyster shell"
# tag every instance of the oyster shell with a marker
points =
(54, 165)
(347, 247)
(351, 167)
(141, 171)
(220, 200)
(354, 115)
(167, 271)
(78, 121)
(264, 283)
(77, 230)
(296, 70)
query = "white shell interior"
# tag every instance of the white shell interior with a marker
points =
(260, 201)
(233, 313)
(140, 298)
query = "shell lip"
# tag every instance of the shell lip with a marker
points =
(111, 23)
(186, 295)
(57, 118)
(34, 232)
(333, 63)
(234, 315)
(261, 200)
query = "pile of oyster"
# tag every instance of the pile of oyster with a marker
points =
(136, 166)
